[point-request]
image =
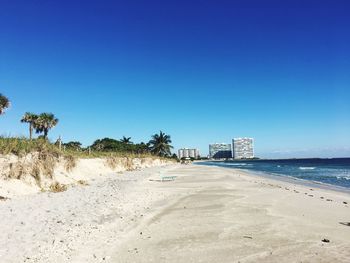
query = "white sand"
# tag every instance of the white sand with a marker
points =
(208, 214)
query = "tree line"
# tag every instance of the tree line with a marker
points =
(159, 144)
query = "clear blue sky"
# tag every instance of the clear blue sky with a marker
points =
(201, 71)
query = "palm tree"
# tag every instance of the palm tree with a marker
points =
(4, 104)
(44, 123)
(30, 118)
(160, 144)
(126, 140)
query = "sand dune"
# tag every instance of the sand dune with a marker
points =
(83, 171)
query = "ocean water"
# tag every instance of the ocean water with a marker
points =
(334, 171)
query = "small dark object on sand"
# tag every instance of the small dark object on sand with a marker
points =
(3, 198)
(325, 240)
(345, 203)
(345, 223)
(248, 237)
(329, 200)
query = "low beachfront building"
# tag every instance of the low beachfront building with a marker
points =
(188, 153)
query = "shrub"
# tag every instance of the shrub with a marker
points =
(56, 187)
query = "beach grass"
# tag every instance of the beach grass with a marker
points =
(21, 146)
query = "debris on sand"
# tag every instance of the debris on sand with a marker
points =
(325, 240)
(2, 198)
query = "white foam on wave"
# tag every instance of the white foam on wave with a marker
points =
(306, 168)
(237, 164)
(343, 177)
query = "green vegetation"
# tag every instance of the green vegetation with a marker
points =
(160, 144)
(30, 118)
(44, 123)
(41, 123)
(73, 146)
(4, 104)
(123, 146)
(101, 148)
(23, 146)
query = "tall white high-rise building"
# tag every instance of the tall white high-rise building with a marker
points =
(243, 148)
(188, 153)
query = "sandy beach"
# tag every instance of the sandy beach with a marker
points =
(206, 214)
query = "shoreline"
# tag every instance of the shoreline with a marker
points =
(289, 178)
(293, 180)
(206, 213)
(304, 182)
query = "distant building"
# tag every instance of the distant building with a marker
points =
(243, 148)
(188, 153)
(220, 151)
